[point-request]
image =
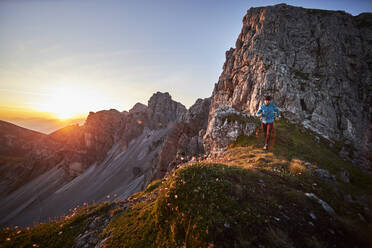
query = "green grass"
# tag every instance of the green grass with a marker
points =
(230, 206)
(57, 234)
(293, 142)
(149, 189)
(252, 197)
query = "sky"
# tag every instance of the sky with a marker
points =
(60, 59)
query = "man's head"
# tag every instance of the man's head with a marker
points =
(267, 100)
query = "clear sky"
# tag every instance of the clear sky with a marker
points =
(70, 57)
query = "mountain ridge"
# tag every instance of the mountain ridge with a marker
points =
(123, 146)
(164, 176)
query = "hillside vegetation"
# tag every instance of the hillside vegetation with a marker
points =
(297, 194)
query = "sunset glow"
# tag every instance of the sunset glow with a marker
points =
(64, 116)
(67, 102)
(61, 67)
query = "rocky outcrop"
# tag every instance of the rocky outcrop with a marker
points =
(196, 114)
(224, 127)
(138, 108)
(163, 110)
(185, 141)
(316, 64)
(81, 146)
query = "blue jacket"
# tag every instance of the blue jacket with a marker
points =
(268, 112)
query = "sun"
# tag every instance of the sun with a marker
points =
(70, 99)
(65, 102)
(64, 116)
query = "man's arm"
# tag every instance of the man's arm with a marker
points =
(259, 112)
(277, 111)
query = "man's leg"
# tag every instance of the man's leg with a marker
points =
(269, 128)
(264, 127)
(264, 130)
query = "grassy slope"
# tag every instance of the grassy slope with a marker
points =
(250, 197)
(56, 234)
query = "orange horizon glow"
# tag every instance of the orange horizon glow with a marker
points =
(7, 112)
(67, 102)
(43, 122)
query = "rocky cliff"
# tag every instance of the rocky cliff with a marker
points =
(162, 110)
(317, 66)
(225, 126)
(185, 142)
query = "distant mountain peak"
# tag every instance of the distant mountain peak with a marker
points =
(138, 107)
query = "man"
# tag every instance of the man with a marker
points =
(266, 113)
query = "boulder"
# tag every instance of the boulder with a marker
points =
(224, 127)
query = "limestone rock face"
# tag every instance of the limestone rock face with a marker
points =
(224, 127)
(316, 64)
(100, 129)
(185, 140)
(196, 114)
(86, 144)
(138, 107)
(163, 110)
